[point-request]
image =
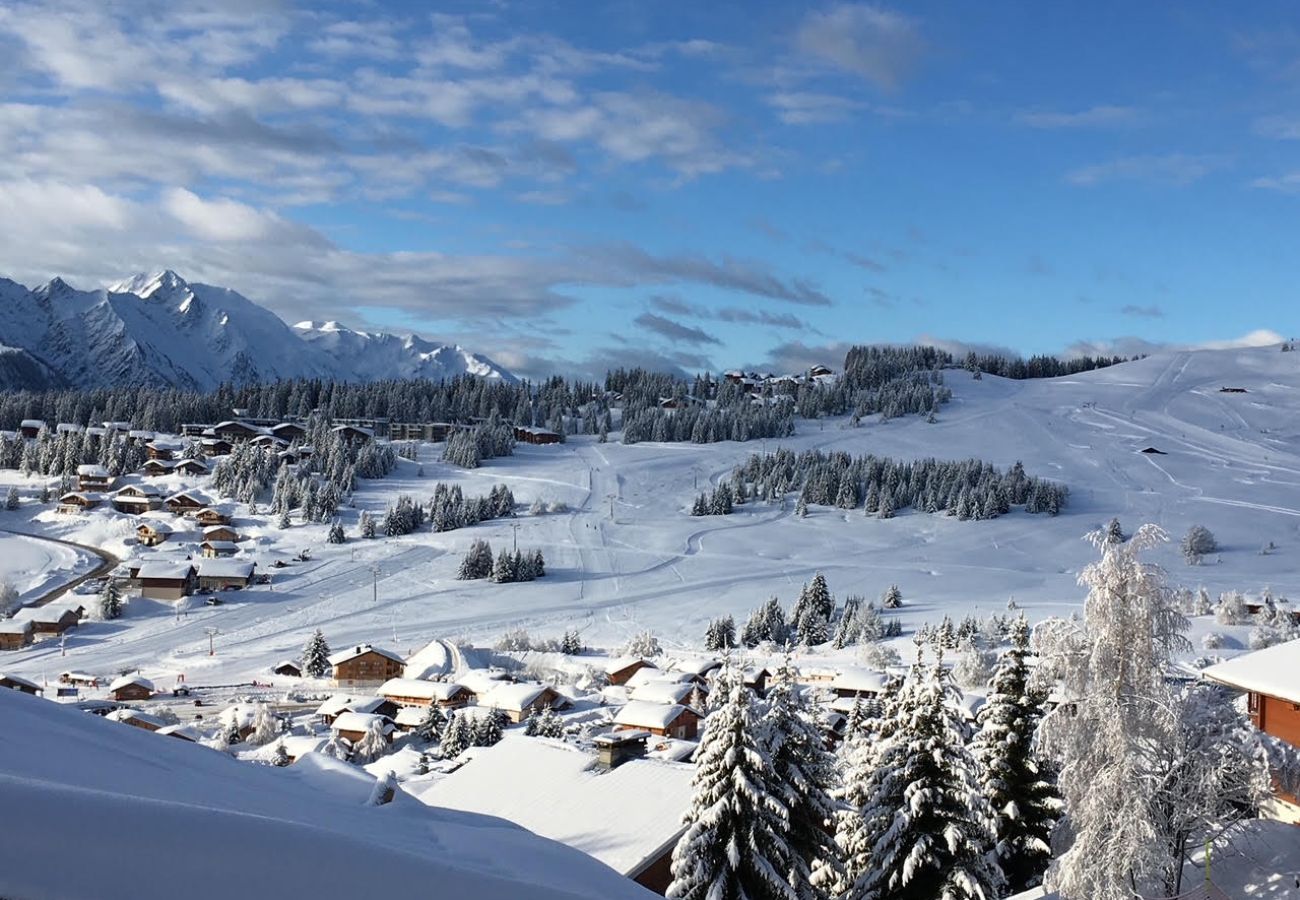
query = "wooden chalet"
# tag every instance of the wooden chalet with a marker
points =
(365, 665)
(210, 516)
(136, 719)
(214, 446)
(18, 683)
(288, 668)
(190, 467)
(352, 726)
(53, 619)
(865, 683)
(529, 434)
(1270, 679)
(156, 468)
(417, 692)
(522, 699)
(161, 580)
(220, 533)
(69, 428)
(92, 477)
(162, 450)
(225, 574)
(78, 679)
(131, 688)
(353, 434)
(335, 706)
(289, 432)
(138, 498)
(218, 549)
(15, 633)
(77, 502)
(235, 430)
(186, 503)
(269, 442)
(662, 719)
(621, 668)
(180, 732)
(152, 533)
(30, 428)
(139, 436)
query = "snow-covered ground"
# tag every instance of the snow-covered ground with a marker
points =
(627, 557)
(34, 566)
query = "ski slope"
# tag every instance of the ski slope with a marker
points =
(627, 557)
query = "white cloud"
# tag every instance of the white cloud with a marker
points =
(811, 108)
(1176, 169)
(221, 219)
(869, 41)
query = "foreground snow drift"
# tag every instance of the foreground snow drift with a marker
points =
(149, 816)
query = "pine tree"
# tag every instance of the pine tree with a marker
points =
(12, 499)
(571, 643)
(279, 755)
(336, 535)
(315, 656)
(1012, 777)
(456, 737)
(1114, 532)
(806, 774)
(548, 724)
(504, 570)
(284, 521)
(928, 825)
(367, 525)
(431, 726)
(373, 744)
(110, 601)
(265, 725)
(735, 845)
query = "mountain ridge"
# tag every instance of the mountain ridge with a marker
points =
(156, 328)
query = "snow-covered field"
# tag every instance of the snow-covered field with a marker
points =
(627, 557)
(34, 566)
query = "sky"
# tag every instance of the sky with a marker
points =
(570, 186)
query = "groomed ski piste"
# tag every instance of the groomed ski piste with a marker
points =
(625, 556)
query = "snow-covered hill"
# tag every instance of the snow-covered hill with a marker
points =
(146, 815)
(160, 329)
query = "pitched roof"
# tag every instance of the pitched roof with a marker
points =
(15, 626)
(343, 656)
(358, 721)
(644, 714)
(625, 817)
(424, 690)
(619, 663)
(225, 568)
(1274, 671)
(663, 691)
(860, 681)
(513, 697)
(171, 571)
(19, 680)
(128, 680)
(92, 470)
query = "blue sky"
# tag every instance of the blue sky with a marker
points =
(569, 186)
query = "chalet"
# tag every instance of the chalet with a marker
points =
(619, 669)
(53, 619)
(269, 442)
(166, 580)
(156, 468)
(756, 678)
(235, 431)
(163, 449)
(78, 679)
(668, 692)
(77, 502)
(416, 692)
(521, 700)
(194, 429)
(136, 719)
(18, 683)
(352, 726)
(819, 371)
(335, 706)
(663, 719)
(186, 503)
(96, 431)
(409, 718)
(30, 428)
(92, 477)
(480, 682)
(864, 683)
(216, 447)
(698, 669)
(353, 434)
(1270, 679)
(117, 427)
(217, 550)
(130, 688)
(528, 434)
(190, 467)
(365, 665)
(69, 428)
(289, 432)
(139, 436)
(138, 498)
(153, 532)
(225, 574)
(210, 516)
(220, 533)
(180, 732)
(287, 668)
(568, 795)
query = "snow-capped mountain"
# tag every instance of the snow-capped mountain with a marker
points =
(373, 356)
(160, 329)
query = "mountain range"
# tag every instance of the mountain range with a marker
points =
(158, 329)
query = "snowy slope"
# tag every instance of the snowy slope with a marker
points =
(375, 356)
(146, 815)
(1231, 462)
(159, 329)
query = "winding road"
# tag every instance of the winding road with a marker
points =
(107, 563)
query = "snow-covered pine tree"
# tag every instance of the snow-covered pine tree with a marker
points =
(1113, 666)
(892, 598)
(336, 535)
(110, 601)
(805, 773)
(279, 755)
(735, 846)
(456, 737)
(366, 525)
(373, 744)
(284, 521)
(316, 656)
(1197, 543)
(12, 499)
(432, 724)
(571, 642)
(928, 826)
(1013, 778)
(266, 727)
(1114, 531)
(385, 789)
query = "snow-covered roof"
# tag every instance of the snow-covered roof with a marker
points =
(32, 423)
(134, 715)
(139, 490)
(619, 663)
(434, 658)
(649, 676)
(69, 428)
(140, 433)
(19, 680)
(480, 681)
(336, 704)
(662, 692)
(1274, 671)
(860, 681)
(343, 656)
(172, 571)
(157, 526)
(225, 568)
(195, 497)
(644, 714)
(624, 817)
(697, 666)
(410, 716)
(92, 470)
(15, 626)
(512, 697)
(420, 689)
(227, 546)
(358, 721)
(214, 529)
(50, 614)
(128, 680)
(181, 731)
